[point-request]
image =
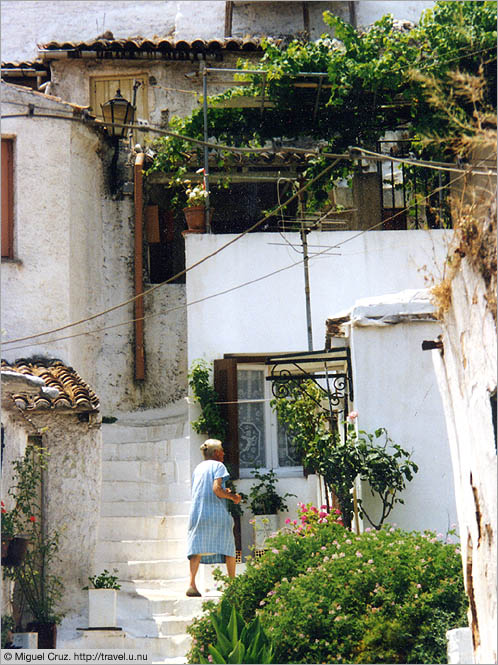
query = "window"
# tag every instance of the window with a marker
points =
(262, 439)
(254, 436)
(7, 198)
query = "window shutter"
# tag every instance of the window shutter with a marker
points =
(7, 198)
(225, 384)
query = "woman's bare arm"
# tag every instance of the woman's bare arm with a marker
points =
(224, 494)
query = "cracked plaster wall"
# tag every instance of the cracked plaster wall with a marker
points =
(72, 483)
(467, 376)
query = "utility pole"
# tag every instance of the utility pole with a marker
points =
(304, 239)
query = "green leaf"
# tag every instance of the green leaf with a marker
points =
(237, 655)
(217, 657)
(233, 628)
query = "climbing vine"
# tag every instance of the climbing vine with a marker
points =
(374, 82)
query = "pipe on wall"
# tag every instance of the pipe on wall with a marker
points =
(139, 302)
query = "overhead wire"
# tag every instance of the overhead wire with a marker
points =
(218, 146)
(182, 272)
(229, 290)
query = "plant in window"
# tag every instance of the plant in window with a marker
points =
(263, 497)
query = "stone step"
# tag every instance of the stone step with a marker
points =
(176, 586)
(120, 433)
(147, 450)
(167, 646)
(148, 528)
(138, 471)
(120, 508)
(159, 626)
(146, 603)
(115, 551)
(122, 490)
(165, 569)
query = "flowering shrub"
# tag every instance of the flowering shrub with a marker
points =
(310, 517)
(326, 595)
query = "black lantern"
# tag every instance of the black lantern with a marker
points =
(117, 110)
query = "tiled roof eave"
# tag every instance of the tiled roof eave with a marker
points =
(72, 394)
(146, 48)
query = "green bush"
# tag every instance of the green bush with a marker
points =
(326, 595)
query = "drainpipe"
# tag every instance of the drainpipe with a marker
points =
(139, 302)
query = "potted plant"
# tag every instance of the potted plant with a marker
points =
(40, 589)
(265, 503)
(195, 211)
(102, 599)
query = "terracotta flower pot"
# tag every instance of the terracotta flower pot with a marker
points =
(196, 218)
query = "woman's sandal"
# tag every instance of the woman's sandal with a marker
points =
(193, 593)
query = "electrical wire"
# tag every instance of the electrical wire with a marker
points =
(214, 295)
(182, 272)
(238, 150)
(376, 156)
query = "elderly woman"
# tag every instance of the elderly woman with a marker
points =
(210, 529)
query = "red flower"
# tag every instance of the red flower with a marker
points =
(4, 512)
(32, 518)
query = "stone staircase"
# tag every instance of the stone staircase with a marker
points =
(143, 534)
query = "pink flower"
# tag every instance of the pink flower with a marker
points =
(419, 586)
(210, 658)
(322, 514)
(359, 554)
(353, 415)
(275, 551)
(288, 520)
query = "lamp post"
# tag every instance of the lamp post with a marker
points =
(116, 111)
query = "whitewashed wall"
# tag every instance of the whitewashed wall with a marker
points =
(396, 388)
(269, 316)
(25, 23)
(73, 249)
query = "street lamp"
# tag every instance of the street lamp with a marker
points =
(117, 110)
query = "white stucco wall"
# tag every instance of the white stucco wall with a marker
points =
(395, 387)
(74, 249)
(39, 275)
(269, 316)
(25, 23)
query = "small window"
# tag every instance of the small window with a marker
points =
(7, 198)
(263, 441)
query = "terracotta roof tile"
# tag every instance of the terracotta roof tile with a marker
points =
(74, 393)
(166, 48)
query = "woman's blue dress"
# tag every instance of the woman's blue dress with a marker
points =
(210, 528)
